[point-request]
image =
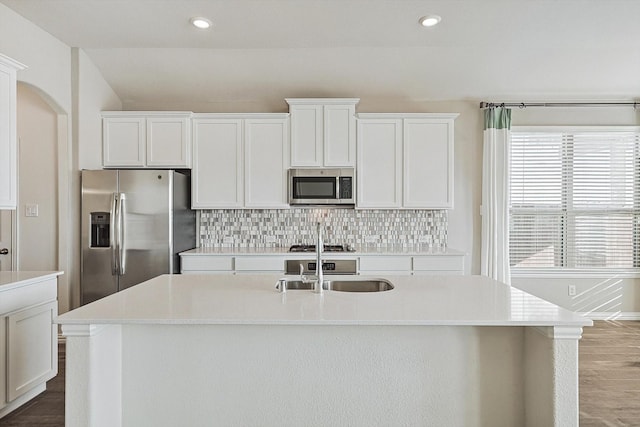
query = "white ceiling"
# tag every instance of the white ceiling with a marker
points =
(262, 51)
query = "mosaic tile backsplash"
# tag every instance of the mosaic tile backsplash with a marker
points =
(266, 228)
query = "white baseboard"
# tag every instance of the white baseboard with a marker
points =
(611, 315)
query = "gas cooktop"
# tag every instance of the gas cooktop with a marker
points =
(312, 248)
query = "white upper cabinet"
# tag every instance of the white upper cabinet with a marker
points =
(8, 136)
(240, 161)
(217, 175)
(428, 163)
(146, 139)
(323, 132)
(266, 158)
(405, 160)
(379, 181)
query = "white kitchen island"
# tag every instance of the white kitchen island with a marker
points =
(229, 350)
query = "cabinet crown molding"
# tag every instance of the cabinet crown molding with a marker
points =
(323, 101)
(240, 115)
(407, 115)
(145, 113)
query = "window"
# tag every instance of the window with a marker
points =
(575, 199)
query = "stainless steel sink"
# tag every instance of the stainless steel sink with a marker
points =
(344, 285)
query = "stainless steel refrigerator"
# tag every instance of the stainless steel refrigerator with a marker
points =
(134, 224)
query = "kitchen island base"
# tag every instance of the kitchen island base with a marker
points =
(319, 375)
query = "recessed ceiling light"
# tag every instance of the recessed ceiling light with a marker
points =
(429, 20)
(201, 23)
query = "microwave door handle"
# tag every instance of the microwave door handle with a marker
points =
(121, 229)
(113, 243)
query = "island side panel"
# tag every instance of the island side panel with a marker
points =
(93, 375)
(551, 376)
(318, 375)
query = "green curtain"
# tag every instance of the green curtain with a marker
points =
(497, 118)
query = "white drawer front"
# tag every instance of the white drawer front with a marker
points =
(259, 263)
(207, 263)
(385, 263)
(28, 295)
(438, 262)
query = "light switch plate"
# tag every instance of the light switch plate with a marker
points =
(31, 210)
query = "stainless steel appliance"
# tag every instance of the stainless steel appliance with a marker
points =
(329, 266)
(315, 187)
(134, 224)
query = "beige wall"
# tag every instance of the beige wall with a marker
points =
(37, 182)
(74, 89)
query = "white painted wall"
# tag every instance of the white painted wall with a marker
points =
(47, 58)
(75, 90)
(93, 96)
(37, 182)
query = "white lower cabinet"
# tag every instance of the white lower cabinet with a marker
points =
(206, 264)
(259, 264)
(438, 265)
(32, 342)
(222, 264)
(392, 265)
(380, 265)
(28, 340)
(3, 362)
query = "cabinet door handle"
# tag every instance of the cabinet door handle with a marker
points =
(4, 251)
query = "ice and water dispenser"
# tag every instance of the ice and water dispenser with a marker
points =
(100, 223)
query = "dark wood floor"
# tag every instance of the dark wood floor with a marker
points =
(609, 382)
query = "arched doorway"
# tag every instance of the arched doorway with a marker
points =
(38, 227)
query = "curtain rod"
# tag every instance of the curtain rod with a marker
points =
(484, 104)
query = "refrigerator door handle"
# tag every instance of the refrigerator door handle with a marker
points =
(121, 238)
(112, 234)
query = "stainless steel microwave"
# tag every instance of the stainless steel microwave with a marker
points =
(314, 186)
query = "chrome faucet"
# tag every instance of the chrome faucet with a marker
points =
(317, 287)
(318, 280)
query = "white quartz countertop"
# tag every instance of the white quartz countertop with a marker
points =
(14, 279)
(252, 299)
(391, 250)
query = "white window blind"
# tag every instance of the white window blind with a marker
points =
(575, 199)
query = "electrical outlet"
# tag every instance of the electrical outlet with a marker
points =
(227, 239)
(270, 239)
(371, 239)
(571, 289)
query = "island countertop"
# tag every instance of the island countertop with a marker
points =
(252, 299)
